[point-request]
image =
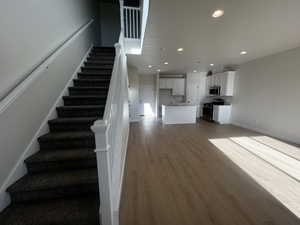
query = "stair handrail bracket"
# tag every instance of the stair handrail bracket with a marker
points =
(111, 135)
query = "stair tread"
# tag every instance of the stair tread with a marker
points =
(50, 180)
(58, 155)
(84, 96)
(72, 107)
(91, 80)
(89, 88)
(98, 67)
(73, 120)
(66, 135)
(83, 211)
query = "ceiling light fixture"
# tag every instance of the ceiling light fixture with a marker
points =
(180, 49)
(243, 52)
(195, 71)
(218, 13)
(212, 64)
(166, 63)
(158, 70)
(150, 66)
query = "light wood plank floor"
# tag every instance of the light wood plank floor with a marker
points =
(179, 175)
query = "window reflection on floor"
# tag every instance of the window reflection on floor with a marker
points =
(271, 163)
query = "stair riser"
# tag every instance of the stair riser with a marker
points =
(83, 83)
(103, 77)
(100, 62)
(68, 143)
(60, 166)
(105, 54)
(64, 113)
(78, 102)
(111, 51)
(85, 92)
(108, 65)
(99, 71)
(101, 58)
(59, 127)
(55, 193)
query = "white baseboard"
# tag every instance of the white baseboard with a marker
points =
(20, 169)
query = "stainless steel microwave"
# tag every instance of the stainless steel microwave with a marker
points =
(215, 90)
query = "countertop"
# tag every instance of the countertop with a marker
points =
(180, 104)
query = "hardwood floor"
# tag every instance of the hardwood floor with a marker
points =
(177, 175)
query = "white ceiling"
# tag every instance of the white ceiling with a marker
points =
(262, 27)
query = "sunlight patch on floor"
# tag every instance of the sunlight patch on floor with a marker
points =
(282, 186)
(280, 146)
(279, 160)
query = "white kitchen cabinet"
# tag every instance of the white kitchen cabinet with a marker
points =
(227, 83)
(224, 80)
(222, 114)
(162, 83)
(178, 86)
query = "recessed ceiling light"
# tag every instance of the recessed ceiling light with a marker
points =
(212, 64)
(195, 71)
(180, 49)
(150, 66)
(158, 70)
(166, 63)
(243, 52)
(218, 13)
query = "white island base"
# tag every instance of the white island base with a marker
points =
(179, 114)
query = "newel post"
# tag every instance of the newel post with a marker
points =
(101, 128)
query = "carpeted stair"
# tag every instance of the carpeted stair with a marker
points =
(61, 187)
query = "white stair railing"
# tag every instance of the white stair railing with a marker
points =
(132, 22)
(111, 134)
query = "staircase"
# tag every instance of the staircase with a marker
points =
(61, 186)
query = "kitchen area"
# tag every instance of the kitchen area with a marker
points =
(183, 99)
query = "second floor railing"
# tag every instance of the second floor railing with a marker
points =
(132, 22)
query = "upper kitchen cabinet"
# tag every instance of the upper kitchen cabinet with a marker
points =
(177, 85)
(223, 80)
(227, 83)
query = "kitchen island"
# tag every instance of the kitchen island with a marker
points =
(179, 114)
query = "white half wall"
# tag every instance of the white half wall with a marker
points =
(24, 113)
(267, 96)
(134, 103)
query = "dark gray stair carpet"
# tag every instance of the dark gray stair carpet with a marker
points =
(80, 91)
(80, 111)
(43, 186)
(71, 124)
(61, 186)
(53, 160)
(67, 211)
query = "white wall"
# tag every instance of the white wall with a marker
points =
(195, 89)
(267, 95)
(28, 32)
(30, 29)
(134, 103)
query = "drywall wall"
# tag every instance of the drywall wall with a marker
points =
(267, 96)
(29, 30)
(110, 23)
(134, 103)
(195, 89)
(23, 114)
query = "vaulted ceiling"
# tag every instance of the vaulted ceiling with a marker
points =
(261, 27)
